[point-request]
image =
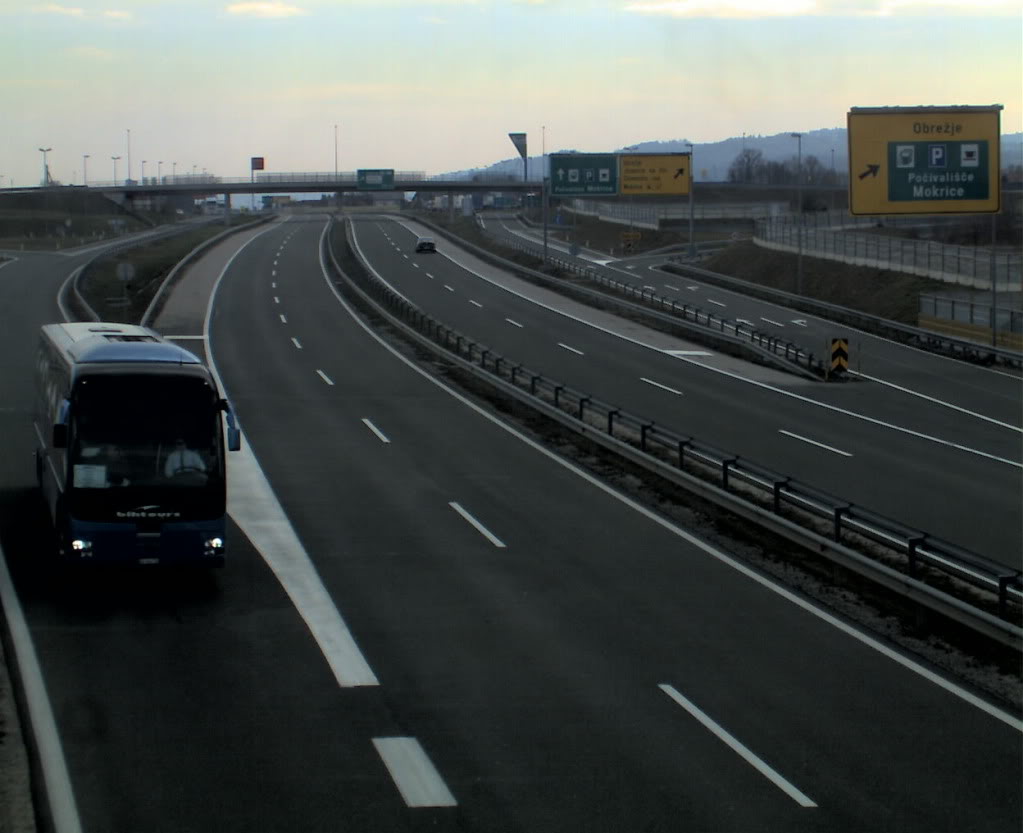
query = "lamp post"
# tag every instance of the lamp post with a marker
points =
(85, 172)
(174, 170)
(543, 188)
(799, 210)
(142, 173)
(159, 170)
(335, 154)
(114, 160)
(692, 210)
(128, 178)
(46, 170)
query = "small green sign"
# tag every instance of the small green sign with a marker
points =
(582, 174)
(375, 179)
(942, 171)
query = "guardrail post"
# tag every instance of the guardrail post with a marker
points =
(725, 465)
(497, 365)
(913, 543)
(682, 446)
(1003, 586)
(839, 511)
(557, 395)
(611, 422)
(582, 405)
(483, 358)
(643, 430)
(532, 383)
(515, 372)
(777, 487)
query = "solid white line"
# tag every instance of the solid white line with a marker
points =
(413, 773)
(796, 795)
(769, 321)
(814, 442)
(375, 430)
(571, 349)
(284, 320)
(476, 304)
(60, 796)
(659, 385)
(482, 530)
(325, 377)
(513, 323)
(937, 401)
(863, 638)
(254, 507)
(681, 353)
(295, 341)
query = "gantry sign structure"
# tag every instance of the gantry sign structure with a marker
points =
(924, 160)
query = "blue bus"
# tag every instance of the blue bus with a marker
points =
(130, 456)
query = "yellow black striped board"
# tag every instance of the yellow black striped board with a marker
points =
(839, 355)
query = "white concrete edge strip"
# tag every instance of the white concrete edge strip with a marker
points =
(936, 401)
(759, 765)
(57, 782)
(255, 508)
(482, 530)
(731, 375)
(379, 434)
(814, 442)
(860, 636)
(413, 773)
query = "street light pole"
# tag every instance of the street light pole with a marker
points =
(114, 160)
(46, 170)
(543, 188)
(692, 210)
(159, 171)
(799, 210)
(142, 173)
(85, 171)
(128, 178)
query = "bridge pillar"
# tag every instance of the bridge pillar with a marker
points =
(227, 209)
(451, 207)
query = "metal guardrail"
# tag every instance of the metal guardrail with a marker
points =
(959, 348)
(890, 553)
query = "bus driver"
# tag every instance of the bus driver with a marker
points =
(183, 459)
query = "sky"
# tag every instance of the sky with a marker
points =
(437, 86)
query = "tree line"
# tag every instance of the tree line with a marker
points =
(750, 168)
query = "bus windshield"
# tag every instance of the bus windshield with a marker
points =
(145, 439)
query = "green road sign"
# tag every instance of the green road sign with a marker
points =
(583, 174)
(376, 179)
(924, 160)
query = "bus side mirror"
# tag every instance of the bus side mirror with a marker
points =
(60, 435)
(234, 436)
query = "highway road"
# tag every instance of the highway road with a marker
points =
(988, 394)
(930, 466)
(428, 621)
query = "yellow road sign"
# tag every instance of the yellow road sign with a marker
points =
(924, 160)
(642, 174)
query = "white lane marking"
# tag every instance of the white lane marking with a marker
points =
(429, 276)
(254, 507)
(415, 265)
(759, 765)
(716, 303)
(648, 286)
(296, 342)
(275, 263)
(325, 378)
(659, 385)
(513, 323)
(799, 322)
(375, 430)
(60, 798)
(672, 288)
(681, 353)
(814, 442)
(692, 288)
(276, 300)
(863, 638)
(413, 773)
(571, 349)
(482, 530)
(938, 401)
(283, 319)
(405, 256)
(448, 288)
(745, 321)
(769, 321)
(476, 303)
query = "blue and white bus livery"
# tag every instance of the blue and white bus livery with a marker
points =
(130, 455)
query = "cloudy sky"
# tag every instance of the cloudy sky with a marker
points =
(437, 86)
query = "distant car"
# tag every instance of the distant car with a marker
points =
(426, 244)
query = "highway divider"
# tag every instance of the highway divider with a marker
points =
(963, 586)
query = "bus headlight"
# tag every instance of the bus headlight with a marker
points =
(82, 547)
(214, 546)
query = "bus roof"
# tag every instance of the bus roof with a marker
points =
(101, 342)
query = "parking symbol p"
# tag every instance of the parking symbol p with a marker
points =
(936, 156)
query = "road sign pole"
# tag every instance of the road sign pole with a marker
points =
(692, 215)
(543, 200)
(994, 283)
